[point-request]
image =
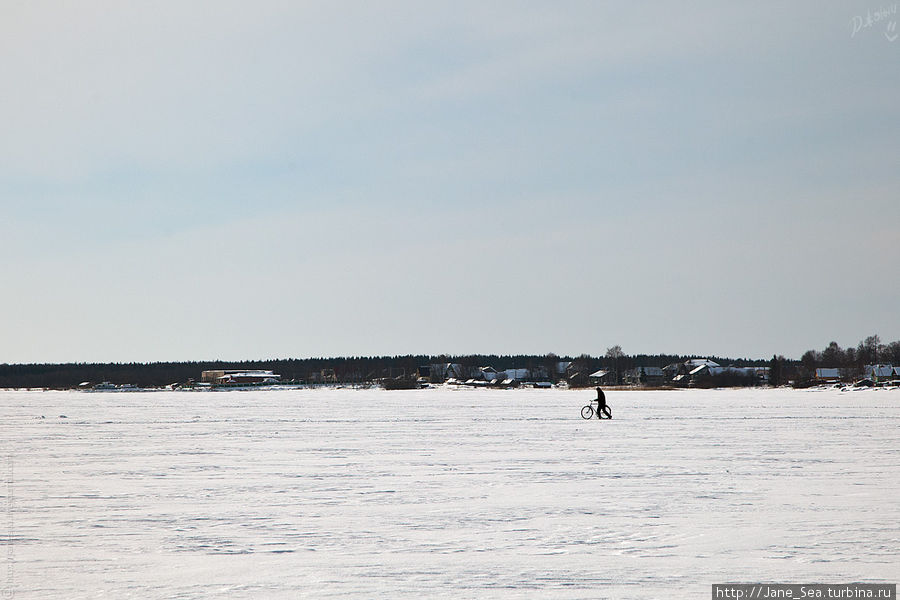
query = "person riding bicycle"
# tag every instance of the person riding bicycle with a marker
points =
(601, 403)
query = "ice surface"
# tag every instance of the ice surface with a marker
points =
(444, 493)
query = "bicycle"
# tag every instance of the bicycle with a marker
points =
(588, 411)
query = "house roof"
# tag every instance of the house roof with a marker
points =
(251, 374)
(701, 362)
(880, 370)
(516, 373)
(599, 374)
(828, 373)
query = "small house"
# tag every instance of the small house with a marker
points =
(645, 376)
(826, 375)
(248, 377)
(489, 373)
(601, 377)
(879, 372)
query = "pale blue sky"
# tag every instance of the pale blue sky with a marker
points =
(201, 180)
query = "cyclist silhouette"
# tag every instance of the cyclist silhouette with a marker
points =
(601, 403)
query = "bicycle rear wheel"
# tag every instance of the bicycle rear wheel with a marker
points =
(587, 412)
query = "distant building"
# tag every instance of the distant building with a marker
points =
(828, 374)
(516, 374)
(601, 377)
(644, 376)
(672, 370)
(681, 373)
(239, 376)
(698, 371)
(755, 374)
(444, 371)
(879, 372)
(489, 373)
(699, 362)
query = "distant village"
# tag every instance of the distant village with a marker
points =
(692, 373)
(699, 372)
(870, 363)
(571, 374)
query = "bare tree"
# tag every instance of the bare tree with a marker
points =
(867, 351)
(833, 356)
(810, 360)
(892, 353)
(615, 353)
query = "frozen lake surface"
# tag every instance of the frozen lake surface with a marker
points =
(444, 493)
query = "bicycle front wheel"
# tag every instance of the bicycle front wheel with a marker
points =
(587, 412)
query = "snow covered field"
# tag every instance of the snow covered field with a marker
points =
(444, 493)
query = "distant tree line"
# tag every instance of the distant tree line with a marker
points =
(354, 369)
(360, 369)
